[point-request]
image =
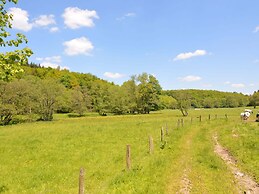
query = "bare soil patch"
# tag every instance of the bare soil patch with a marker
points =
(246, 184)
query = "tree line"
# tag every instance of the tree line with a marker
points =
(40, 92)
(37, 93)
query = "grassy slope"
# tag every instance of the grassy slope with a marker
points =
(46, 157)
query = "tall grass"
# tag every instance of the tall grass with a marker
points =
(45, 157)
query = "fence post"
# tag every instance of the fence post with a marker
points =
(200, 118)
(128, 162)
(151, 145)
(191, 120)
(216, 116)
(162, 134)
(81, 181)
(178, 123)
(209, 117)
(182, 122)
(226, 116)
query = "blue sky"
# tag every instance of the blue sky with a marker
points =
(186, 44)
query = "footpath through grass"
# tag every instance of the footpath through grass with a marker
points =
(45, 157)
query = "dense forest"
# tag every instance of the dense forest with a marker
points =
(40, 92)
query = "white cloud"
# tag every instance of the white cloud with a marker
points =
(127, 15)
(54, 29)
(44, 20)
(238, 85)
(20, 19)
(190, 78)
(188, 55)
(113, 75)
(22, 22)
(227, 82)
(53, 62)
(256, 29)
(78, 46)
(75, 18)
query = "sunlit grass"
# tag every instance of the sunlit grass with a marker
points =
(45, 157)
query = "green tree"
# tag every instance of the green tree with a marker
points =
(167, 102)
(48, 93)
(10, 62)
(254, 99)
(148, 91)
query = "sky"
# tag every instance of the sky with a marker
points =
(201, 44)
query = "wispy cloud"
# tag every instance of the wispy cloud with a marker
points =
(190, 78)
(256, 29)
(78, 46)
(238, 85)
(127, 15)
(113, 75)
(76, 18)
(183, 56)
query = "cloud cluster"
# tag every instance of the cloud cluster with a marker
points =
(78, 46)
(53, 62)
(22, 22)
(113, 75)
(183, 56)
(190, 78)
(75, 18)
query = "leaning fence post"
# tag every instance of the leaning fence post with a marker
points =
(151, 145)
(128, 162)
(81, 181)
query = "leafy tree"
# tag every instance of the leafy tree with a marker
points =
(183, 103)
(129, 89)
(167, 102)
(10, 62)
(254, 99)
(48, 94)
(148, 91)
(80, 100)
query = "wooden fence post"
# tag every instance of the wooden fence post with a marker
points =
(209, 117)
(191, 120)
(151, 145)
(216, 116)
(162, 134)
(178, 123)
(128, 161)
(81, 181)
(200, 118)
(226, 116)
(182, 122)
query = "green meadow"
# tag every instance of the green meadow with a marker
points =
(45, 157)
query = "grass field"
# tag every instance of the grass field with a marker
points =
(45, 157)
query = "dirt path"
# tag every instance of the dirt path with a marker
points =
(245, 183)
(184, 183)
